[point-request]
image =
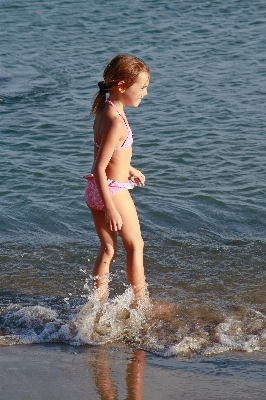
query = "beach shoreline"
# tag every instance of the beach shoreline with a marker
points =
(58, 371)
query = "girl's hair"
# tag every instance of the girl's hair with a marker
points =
(122, 67)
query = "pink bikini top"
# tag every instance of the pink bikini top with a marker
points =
(129, 140)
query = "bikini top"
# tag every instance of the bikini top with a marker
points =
(129, 140)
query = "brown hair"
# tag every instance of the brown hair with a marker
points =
(122, 67)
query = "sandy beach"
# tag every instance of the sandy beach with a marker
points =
(57, 371)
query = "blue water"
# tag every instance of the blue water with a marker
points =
(199, 137)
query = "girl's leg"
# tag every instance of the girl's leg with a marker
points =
(106, 254)
(133, 242)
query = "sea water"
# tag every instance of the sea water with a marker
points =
(199, 138)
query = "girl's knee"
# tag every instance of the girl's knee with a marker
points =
(141, 244)
(135, 245)
(108, 250)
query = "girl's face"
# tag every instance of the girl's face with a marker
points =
(133, 95)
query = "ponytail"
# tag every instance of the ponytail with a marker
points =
(100, 97)
(98, 103)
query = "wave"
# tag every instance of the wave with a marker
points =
(158, 327)
(25, 81)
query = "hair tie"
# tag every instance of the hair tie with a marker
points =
(102, 86)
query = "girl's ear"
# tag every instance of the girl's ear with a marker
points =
(121, 86)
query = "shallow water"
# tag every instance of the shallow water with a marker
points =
(198, 137)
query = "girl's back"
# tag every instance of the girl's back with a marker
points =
(111, 122)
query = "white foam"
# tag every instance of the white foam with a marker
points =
(117, 321)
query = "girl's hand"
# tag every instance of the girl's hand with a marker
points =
(136, 176)
(113, 219)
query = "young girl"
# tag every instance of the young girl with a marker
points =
(126, 79)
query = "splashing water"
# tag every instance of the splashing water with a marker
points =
(161, 328)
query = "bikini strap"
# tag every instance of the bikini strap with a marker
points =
(119, 112)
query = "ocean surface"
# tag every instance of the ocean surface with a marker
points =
(199, 137)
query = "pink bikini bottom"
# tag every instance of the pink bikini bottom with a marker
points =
(92, 196)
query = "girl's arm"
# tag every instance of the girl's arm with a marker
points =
(109, 141)
(136, 176)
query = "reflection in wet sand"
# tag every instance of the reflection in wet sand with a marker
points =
(135, 376)
(100, 366)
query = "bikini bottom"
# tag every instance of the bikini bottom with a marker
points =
(92, 195)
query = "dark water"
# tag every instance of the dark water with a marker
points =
(199, 139)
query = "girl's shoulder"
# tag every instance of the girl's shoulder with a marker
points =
(108, 121)
(106, 126)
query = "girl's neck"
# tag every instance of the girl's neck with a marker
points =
(117, 102)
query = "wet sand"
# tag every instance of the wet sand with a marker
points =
(57, 371)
